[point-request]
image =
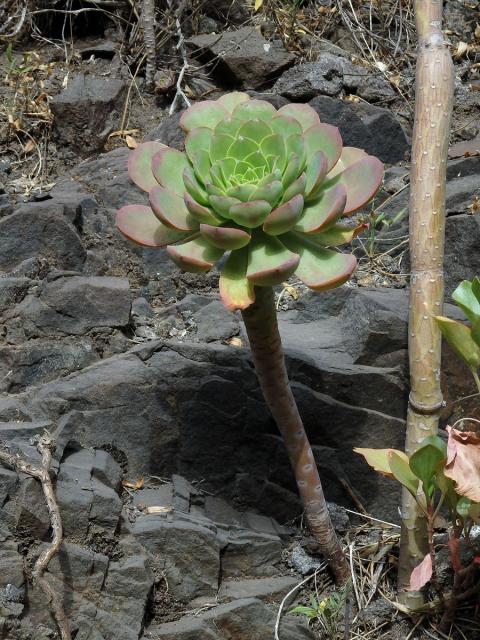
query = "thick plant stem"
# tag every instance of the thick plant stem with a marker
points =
(261, 323)
(433, 109)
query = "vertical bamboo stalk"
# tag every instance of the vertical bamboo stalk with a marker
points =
(148, 20)
(433, 110)
(262, 328)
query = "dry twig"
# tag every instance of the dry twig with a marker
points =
(45, 446)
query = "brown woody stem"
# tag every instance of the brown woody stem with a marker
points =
(433, 109)
(45, 446)
(262, 329)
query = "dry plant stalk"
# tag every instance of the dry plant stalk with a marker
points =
(45, 446)
(433, 110)
(148, 20)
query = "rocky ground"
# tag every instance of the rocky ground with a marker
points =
(180, 511)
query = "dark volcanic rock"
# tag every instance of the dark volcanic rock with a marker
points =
(462, 255)
(73, 305)
(328, 76)
(86, 112)
(243, 57)
(35, 232)
(365, 126)
(39, 361)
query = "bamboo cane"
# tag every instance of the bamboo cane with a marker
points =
(433, 110)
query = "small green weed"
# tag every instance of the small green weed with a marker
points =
(327, 612)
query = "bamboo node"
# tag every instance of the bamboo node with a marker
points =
(424, 408)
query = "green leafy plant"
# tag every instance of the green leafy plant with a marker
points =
(465, 340)
(439, 475)
(267, 190)
(327, 612)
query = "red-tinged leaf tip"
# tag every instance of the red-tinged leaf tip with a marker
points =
(236, 292)
(421, 574)
(324, 211)
(195, 256)
(349, 156)
(269, 261)
(171, 210)
(199, 212)
(250, 214)
(284, 217)
(302, 113)
(226, 238)
(325, 138)
(139, 224)
(140, 165)
(362, 179)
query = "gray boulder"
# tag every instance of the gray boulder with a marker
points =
(329, 76)
(242, 57)
(87, 111)
(362, 125)
(39, 232)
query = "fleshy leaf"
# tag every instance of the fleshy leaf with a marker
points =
(464, 296)
(325, 138)
(231, 100)
(236, 292)
(221, 204)
(269, 192)
(139, 224)
(319, 268)
(292, 170)
(255, 130)
(349, 156)
(460, 339)
(274, 145)
(269, 262)
(193, 187)
(297, 186)
(285, 125)
(171, 210)
(219, 145)
(250, 214)
(421, 574)
(362, 180)
(198, 140)
(201, 165)
(338, 234)
(140, 164)
(255, 110)
(227, 238)
(315, 172)
(199, 212)
(196, 256)
(302, 113)
(207, 113)
(324, 211)
(168, 166)
(284, 217)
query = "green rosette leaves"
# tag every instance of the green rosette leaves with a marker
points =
(268, 188)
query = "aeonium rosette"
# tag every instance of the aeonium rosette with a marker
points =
(268, 187)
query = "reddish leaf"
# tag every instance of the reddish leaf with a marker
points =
(140, 164)
(454, 548)
(421, 574)
(463, 462)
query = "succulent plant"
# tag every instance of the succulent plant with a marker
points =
(266, 187)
